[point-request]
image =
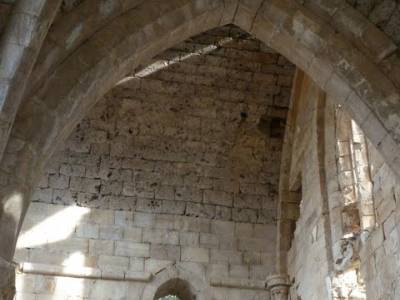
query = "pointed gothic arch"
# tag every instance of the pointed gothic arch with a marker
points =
(71, 77)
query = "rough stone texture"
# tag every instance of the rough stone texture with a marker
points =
(385, 14)
(201, 137)
(379, 256)
(308, 258)
(332, 250)
(174, 166)
(93, 44)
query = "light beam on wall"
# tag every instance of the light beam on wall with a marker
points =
(55, 228)
(164, 63)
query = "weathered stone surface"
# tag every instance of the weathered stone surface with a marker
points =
(190, 188)
(176, 176)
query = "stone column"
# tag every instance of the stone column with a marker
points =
(278, 285)
(7, 280)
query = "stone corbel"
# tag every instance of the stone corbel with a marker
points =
(278, 285)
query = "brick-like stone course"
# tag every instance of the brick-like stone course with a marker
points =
(177, 167)
(195, 138)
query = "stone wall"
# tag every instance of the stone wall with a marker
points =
(385, 14)
(176, 168)
(201, 138)
(380, 254)
(331, 215)
(308, 260)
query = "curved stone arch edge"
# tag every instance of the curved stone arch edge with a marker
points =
(310, 66)
(326, 75)
(20, 46)
(187, 272)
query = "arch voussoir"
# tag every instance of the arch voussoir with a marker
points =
(338, 66)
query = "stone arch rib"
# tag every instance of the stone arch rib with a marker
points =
(306, 39)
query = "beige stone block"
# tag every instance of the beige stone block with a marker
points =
(252, 258)
(143, 219)
(51, 297)
(43, 194)
(99, 247)
(267, 258)
(253, 244)
(110, 262)
(89, 231)
(223, 213)
(71, 245)
(190, 239)
(136, 264)
(239, 271)
(166, 222)
(173, 207)
(102, 217)
(244, 215)
(165, 193)
(200, 255)
(25, 296)
(44, 285)
(107, 289)
(110, 232)
(58, 181)
(113, 273)
(218, 270)
(265, 231)
(199, 210)
(72, 170)
(25, 283)
(125, 248)
(261, 272)
(21, 255)
(82, 184)
(192, 224)
(218, 198)
(209, 240)
(225, 256)
(249, 201)
(165, 252)
(132, 234)
(49, 256)
(244, 229)
(123, 218)
(160, 236)
(156, 265)
(222, 227)
(228, 242)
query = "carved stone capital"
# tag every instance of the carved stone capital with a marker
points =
(278, 285)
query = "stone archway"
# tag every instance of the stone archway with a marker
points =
(176, 287)
(181, 280)
(341, 60)
(304, 37)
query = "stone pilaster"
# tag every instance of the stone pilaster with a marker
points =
(7, 279)
(278, 285)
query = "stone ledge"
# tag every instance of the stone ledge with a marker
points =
(81, 272)
(239, 283)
